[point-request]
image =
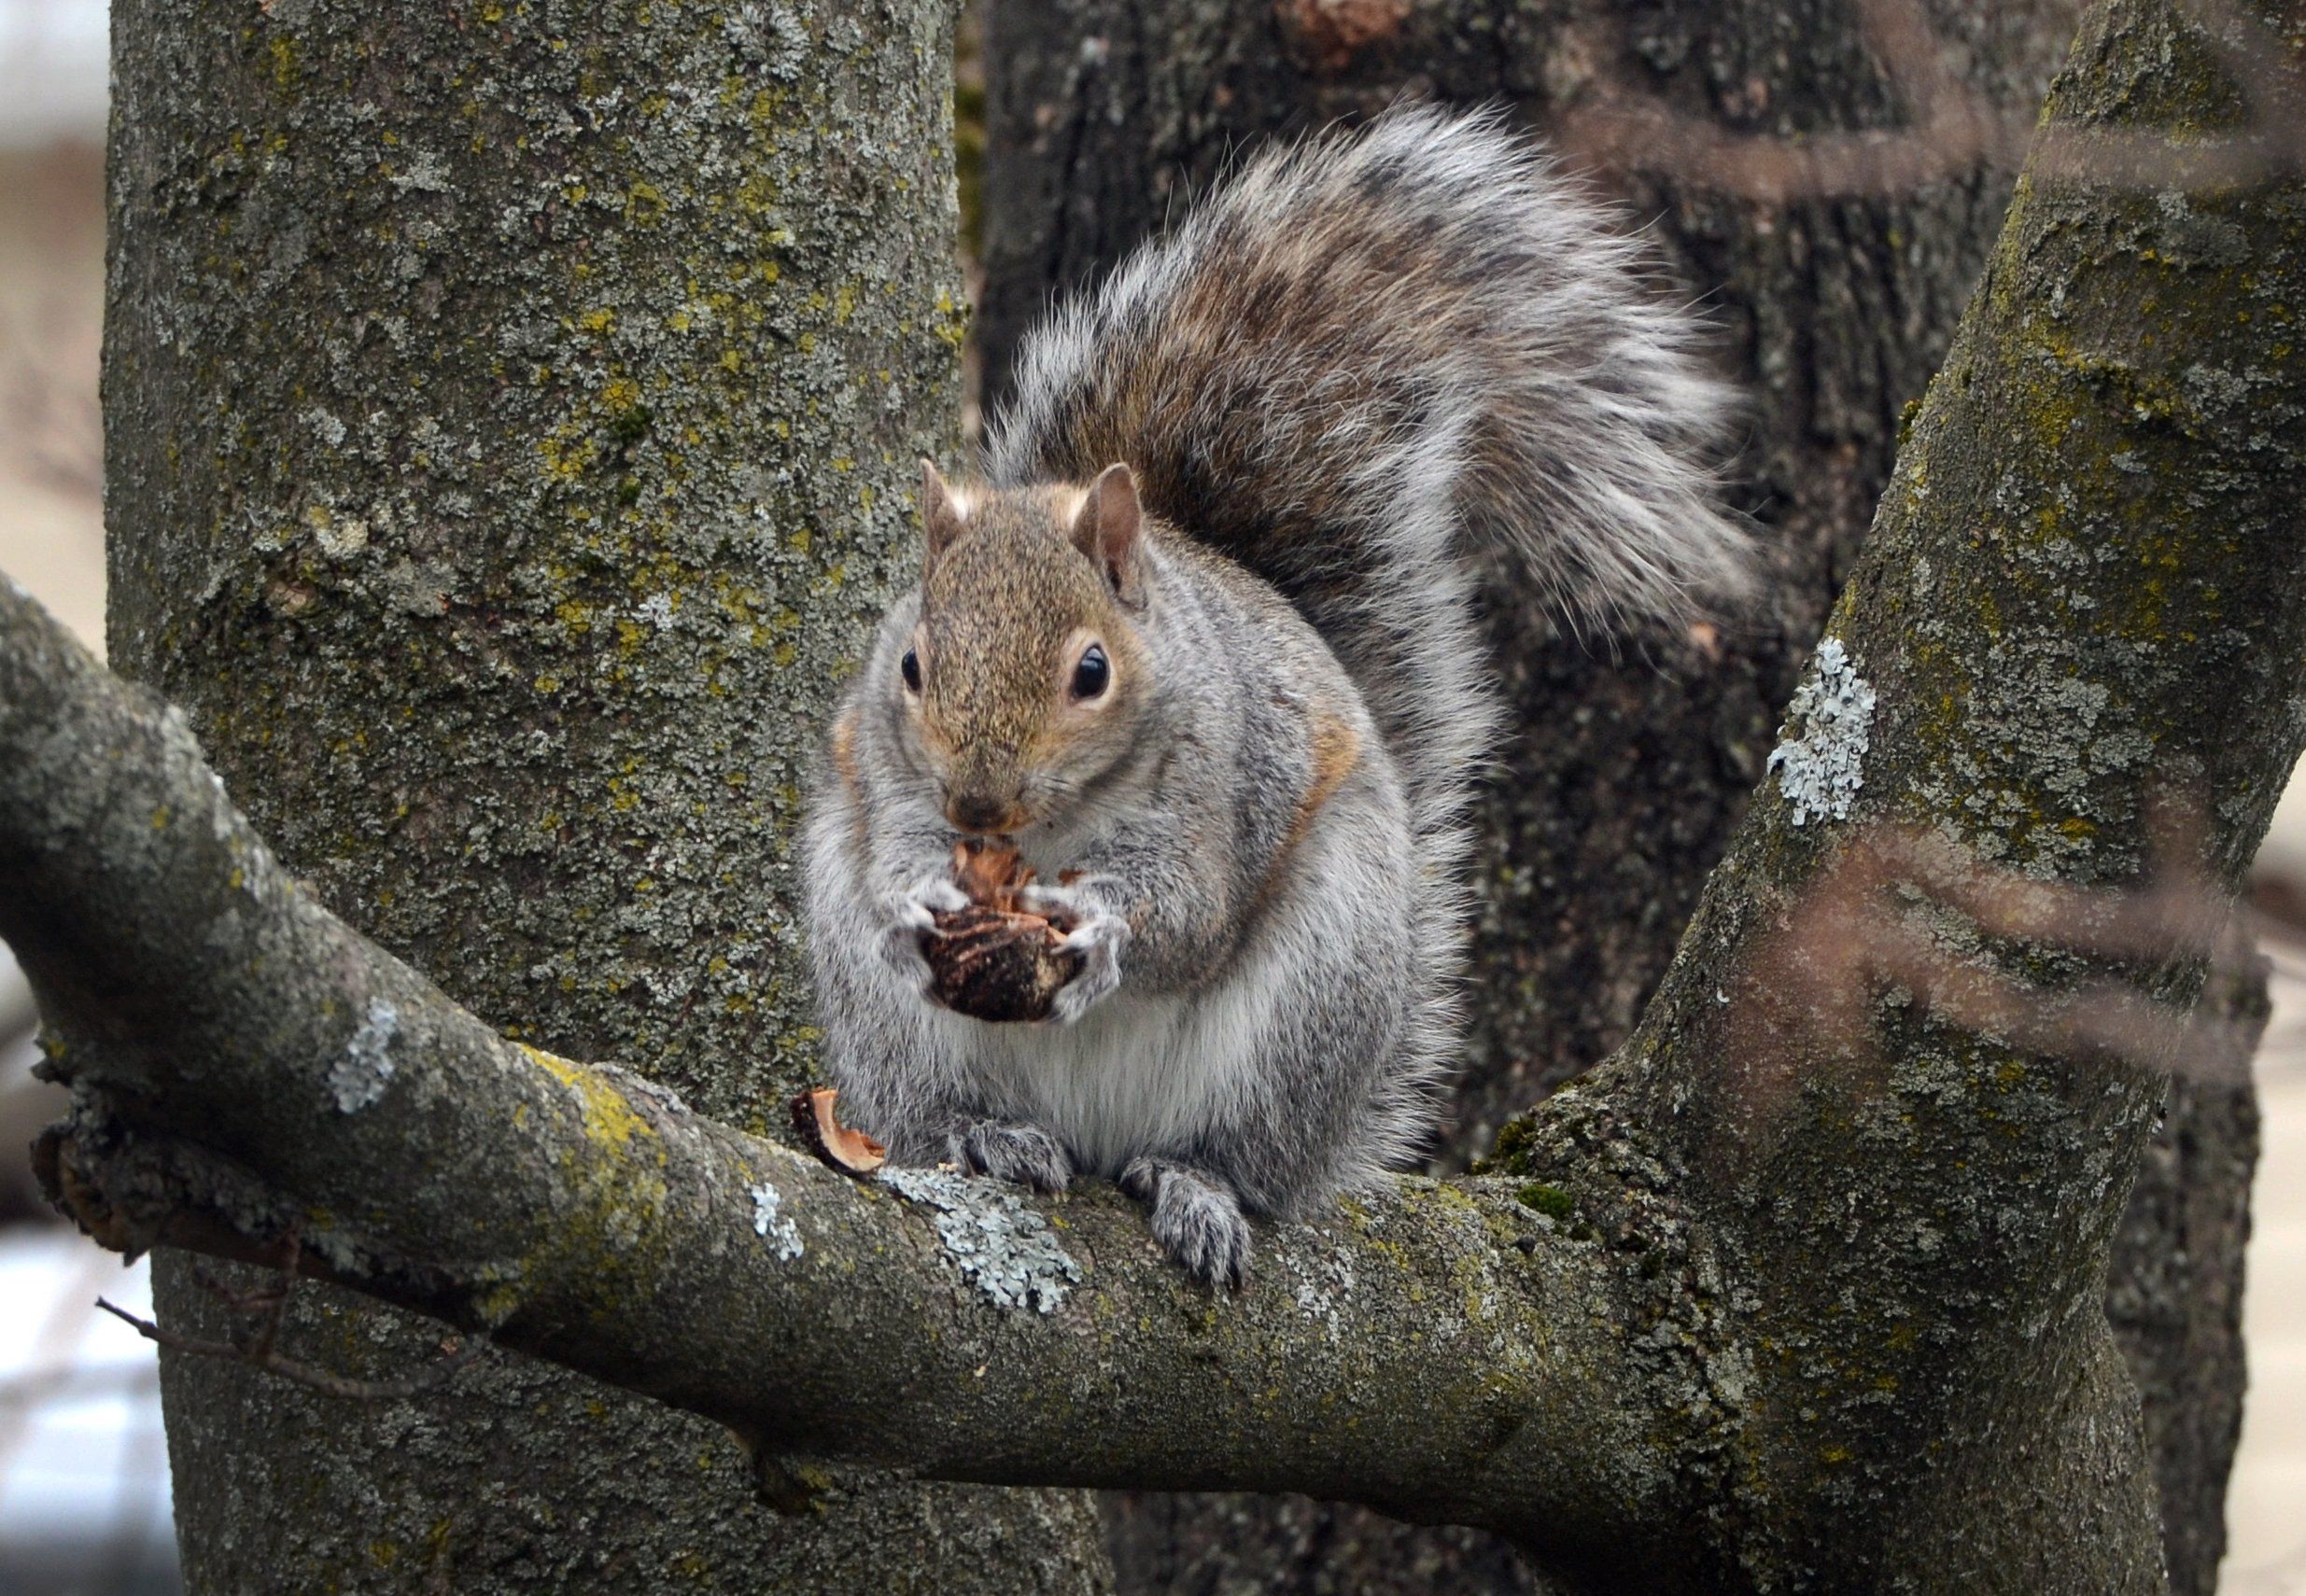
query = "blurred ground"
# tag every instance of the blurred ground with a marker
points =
(82, 1480)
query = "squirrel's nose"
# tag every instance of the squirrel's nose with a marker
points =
(981, 812)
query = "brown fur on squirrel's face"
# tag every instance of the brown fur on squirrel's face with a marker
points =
(1026, 677)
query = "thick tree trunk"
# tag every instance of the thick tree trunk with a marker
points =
(1628, 775)
(511, 409)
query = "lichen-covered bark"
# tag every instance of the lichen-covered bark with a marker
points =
(245, 1062)
(2084, 592)
(509, 412)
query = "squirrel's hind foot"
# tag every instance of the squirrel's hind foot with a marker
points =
(1023, 1154)
(1196, 1218)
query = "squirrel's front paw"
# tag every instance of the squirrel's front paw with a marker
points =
(1024, 1153)
(911, 916)
(1098, 935)
(1195, 1217)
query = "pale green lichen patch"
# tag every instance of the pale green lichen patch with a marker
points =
(772, 1224)
(997, 1242)
(359, 1077)
(1821, 761)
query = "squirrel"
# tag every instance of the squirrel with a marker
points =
(1203, 647)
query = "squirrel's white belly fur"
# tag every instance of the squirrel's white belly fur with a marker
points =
(1136, 1074)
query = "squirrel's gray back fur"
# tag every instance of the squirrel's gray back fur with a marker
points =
(1372, 362)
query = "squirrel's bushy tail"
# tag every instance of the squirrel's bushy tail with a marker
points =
(1373, 361)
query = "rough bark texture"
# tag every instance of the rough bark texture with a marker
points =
(2173, 1295)
(1440, 1348)
(1630, 773)
(511, 408)
(2061, 492)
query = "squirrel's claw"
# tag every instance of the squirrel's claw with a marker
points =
(1098, 935)
(1099, 974)
(935, 893)
(912, 913)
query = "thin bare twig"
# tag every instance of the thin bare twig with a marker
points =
(267, 1304)
(455, 1352)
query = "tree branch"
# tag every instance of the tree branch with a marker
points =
(2084, 593)
(1439, 1351)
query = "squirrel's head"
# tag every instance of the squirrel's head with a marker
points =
(1026, 674)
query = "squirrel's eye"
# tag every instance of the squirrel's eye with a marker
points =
(911, 666)
(1091, 675)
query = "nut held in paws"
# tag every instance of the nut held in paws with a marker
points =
(993, 961)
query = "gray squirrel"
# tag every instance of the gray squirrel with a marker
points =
(1204, 647)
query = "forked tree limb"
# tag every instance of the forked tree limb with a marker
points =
(1551, 1360)
(1438, 1350)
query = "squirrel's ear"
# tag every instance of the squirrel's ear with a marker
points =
(1106, 530)
(940, 512)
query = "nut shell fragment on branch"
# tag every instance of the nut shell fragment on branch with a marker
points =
(851, 1152)
(995, 959)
